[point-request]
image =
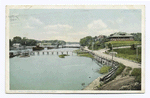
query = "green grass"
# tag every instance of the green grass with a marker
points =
(129, 54)
(63, 55)
(119, 71)
(137, 73)
(83, 54)
(105, 69)
(123, 43)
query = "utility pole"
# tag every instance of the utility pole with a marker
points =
(112, 55)
(112, 52)
(137, 52)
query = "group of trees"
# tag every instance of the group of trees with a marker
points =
(22, 41)
(100, 42)
(97, 42)
(137, 36)
(54, 42)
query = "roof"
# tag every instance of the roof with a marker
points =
(120, 34)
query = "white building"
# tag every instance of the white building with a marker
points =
(17, 45)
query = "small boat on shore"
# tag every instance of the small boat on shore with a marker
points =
(37, 48)
(50, 47)
(25, 54)
(11, 55)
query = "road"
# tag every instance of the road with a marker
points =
(120, 60)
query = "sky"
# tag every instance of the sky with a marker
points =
(71, 25)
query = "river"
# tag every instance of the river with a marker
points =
(49, 72)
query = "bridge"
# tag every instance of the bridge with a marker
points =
(32, 53)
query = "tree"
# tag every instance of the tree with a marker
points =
(110, 46)
(86, 41)
(10, 43)
(17, 39)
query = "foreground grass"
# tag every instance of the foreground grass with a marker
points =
(63, 55)
(104, 69)
(137, 73)
(123, 43)
(129, 54)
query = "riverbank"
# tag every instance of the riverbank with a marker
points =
(123, 81)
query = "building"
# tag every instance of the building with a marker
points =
(100, 37)
(17, 45)
(121, 36)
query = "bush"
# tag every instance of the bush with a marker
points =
(138, 79)
(120, 69)
(105, 69)
(133, 47)
(63, 55)
(136, 72)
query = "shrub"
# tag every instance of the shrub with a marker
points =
(105, 69)
(138, 79)
(120, 69)
(63, 55)
(136, 72)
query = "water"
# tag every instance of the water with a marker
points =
(49, 72)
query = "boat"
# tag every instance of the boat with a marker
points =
(37, 48)
(50, 47)
(25, 54)
(11, 55)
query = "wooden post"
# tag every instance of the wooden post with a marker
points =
(43, 53)
(67, 52)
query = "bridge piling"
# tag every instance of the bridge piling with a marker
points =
(67, 52)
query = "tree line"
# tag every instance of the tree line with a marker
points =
(32, 42)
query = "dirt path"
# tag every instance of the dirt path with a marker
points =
(120, 60)
(118, 83)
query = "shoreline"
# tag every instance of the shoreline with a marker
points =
(93, 85)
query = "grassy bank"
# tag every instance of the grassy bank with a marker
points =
(123, 43)
(83, 54)
(137, 73)
(105, 69)
(63, 55)
(119, 71)
(129, 54)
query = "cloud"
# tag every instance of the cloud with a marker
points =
(107, 32)
(28, 26)
(111, 21)
(97, 24)
(35, 20)
(58, 27)
(120, 20)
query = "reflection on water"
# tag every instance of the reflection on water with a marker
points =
(49, 72)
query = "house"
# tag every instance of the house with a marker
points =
(17, 45)
(100, 37)
(121, 36)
